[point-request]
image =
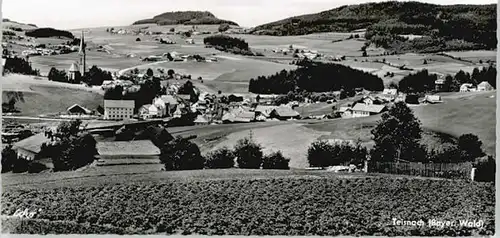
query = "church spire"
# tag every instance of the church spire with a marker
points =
(83, 66)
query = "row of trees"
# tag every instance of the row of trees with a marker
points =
(316, 77)
(397, 137)
(18, 65)
(147, 91)
(423, 81)
(95, 76)
(181, 154)
(324, 154)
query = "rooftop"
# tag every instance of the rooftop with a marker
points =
(119, 103)
(368, 108)
(138, 147)
(32, 143)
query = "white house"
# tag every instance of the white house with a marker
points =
(363, 110)
(148, 111)
(484, 86)
(161, 106)
(118, 109)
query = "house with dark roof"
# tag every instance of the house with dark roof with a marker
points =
(284, 113)
(238, 115)
(262, 110)
(363, 110)
(78, 110)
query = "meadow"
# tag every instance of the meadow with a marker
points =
(44, 97)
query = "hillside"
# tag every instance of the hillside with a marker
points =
(16, 26)
(186, 18)
(472, 23)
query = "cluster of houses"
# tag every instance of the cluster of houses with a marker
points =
(179, 57)
(483, 86)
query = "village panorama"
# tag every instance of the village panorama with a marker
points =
(373, 119)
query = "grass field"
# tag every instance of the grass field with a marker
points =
(42, 96)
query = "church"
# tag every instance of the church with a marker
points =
(78, 69)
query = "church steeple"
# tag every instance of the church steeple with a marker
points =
(82, 54)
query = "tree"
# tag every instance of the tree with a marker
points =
(172, 29)
(9, 157)
(470, 147)
(224, 27)
(248, 154)
(96, 76)
(397, 135)
(222, 158)
(275, 160)
(69, 148)
(181, 154)
(57, 75)
(425, 61)
(138, 39)
(188, 33)
(150, 72)
(170, 72)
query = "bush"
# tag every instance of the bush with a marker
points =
(319, 154)
(138, 39)
(275, 160)
(324, 154)
(181, 154)
(222, 158)
(485, 169)
(20, 166)
(248, 154)
(35, 167)
(9, 157)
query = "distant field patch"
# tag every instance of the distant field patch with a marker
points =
(280, 138)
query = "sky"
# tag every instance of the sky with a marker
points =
(73, 14)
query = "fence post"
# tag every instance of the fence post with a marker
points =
(366, 166)
(472, 173)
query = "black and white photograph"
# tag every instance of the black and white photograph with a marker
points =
(249, 117)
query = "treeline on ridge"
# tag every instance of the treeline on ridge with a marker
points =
(48, 32)
(316, 77)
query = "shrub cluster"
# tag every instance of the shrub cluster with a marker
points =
(19, 66)
(324, 154)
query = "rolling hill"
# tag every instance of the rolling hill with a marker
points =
(472, 23)
(186, 18)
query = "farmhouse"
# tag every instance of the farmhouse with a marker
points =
(345, 112)
(118, 109)
(78, 110)
(264, 110)
(484, 86)
(363, 110)
(432, 99)
(30, 147)
(238, 115)
(389, 94)
(148, 111)
(284, 113)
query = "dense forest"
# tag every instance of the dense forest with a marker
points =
(186, 18)
(49, 32)
(470, 23)
(316, 77)
(228, 44)
(19, 66)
